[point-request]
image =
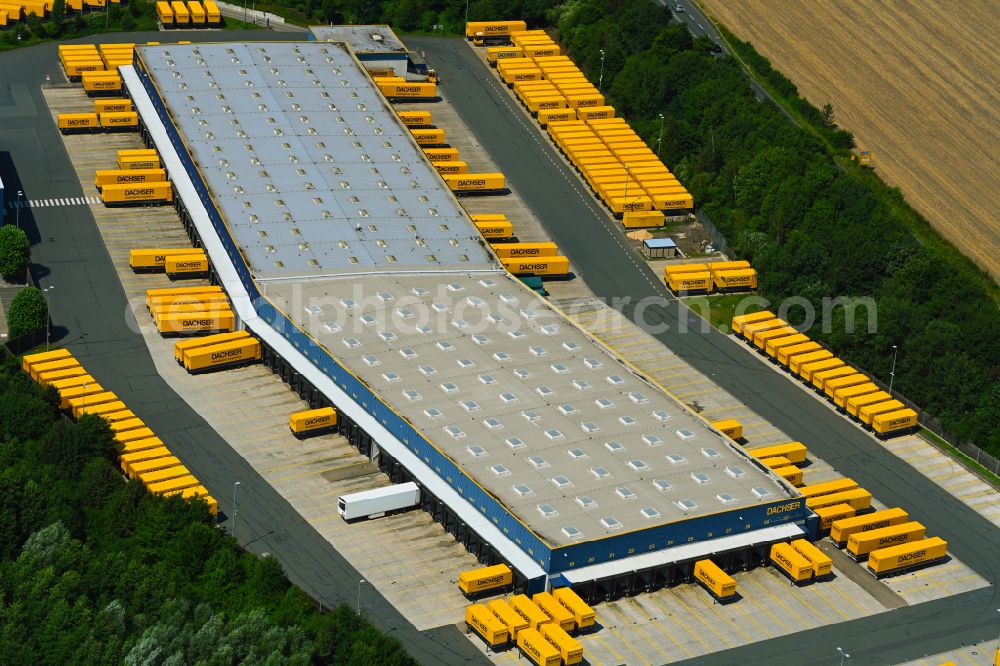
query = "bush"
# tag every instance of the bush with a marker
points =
(28, 312)
(14, 250)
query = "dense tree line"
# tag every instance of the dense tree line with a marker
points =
(775, 191)
(811, 229)
(94, 570)
(65, 23)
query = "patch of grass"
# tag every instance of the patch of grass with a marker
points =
(720, 309)
(961, 458)
(290, 14)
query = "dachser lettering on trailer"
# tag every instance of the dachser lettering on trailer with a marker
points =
(912, 556)
(783, 559)
(475, 182)
(636, 205)
(524, 616)
(130, 179)
(81, 121)
(899, 538)
(495, 28)
(491, 581)
(535, 652)
(791, 506)
(494, 230)
(408, 89)
(197, 322)
(706, 577)
(315, 420)
(690, 282)
(874, 526)
(896, 422)
(142, 192)
(480, 625)
(525, 252)
(535, 267)
(189, 264)
(229, 353)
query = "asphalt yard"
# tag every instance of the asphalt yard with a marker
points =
(980, 654)
(407, 557)
(682, 622)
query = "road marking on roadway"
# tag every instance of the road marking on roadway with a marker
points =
(617, 611)
(659, 599)
(61, 201)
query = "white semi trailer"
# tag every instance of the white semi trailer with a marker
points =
(378, 502)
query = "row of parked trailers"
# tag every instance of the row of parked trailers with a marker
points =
(851, 391)
(845, 512)
(521, 259)
(176, 263)
(11, 12)
(621, 169)
(185, 311)
(139, 181)
(190, 14)
(705, 278)
(143, 455)
(542, 626)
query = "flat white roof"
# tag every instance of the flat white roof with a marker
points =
(311, 169)
(244, 308)
(561, 431)
(568, 437)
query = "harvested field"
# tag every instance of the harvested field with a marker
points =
(918, 83)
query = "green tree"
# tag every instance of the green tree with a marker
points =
(28, 312)
(14, 250)
(828, 115)
(58, 12)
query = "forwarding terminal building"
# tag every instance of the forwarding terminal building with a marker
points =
(371, 290)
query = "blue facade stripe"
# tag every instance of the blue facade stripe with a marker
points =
(552, 560)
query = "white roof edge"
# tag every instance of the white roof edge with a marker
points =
(400, 273)
(683, 553)
(242, 305)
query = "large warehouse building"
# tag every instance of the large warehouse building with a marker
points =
(371, 290)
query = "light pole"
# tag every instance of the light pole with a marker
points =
(235, 486)
(843, 655)
(360, 583)
(659, 140)
(466, 11)
(244, 13)
(600, 79)
(20, 194)
(628, 176)
(892, 374)
(48, 316)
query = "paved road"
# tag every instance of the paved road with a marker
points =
(699, 25)
(597, 249)
(89, 314)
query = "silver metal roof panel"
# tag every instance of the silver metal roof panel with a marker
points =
(310, 140)
(469, 398)
(361, 38)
